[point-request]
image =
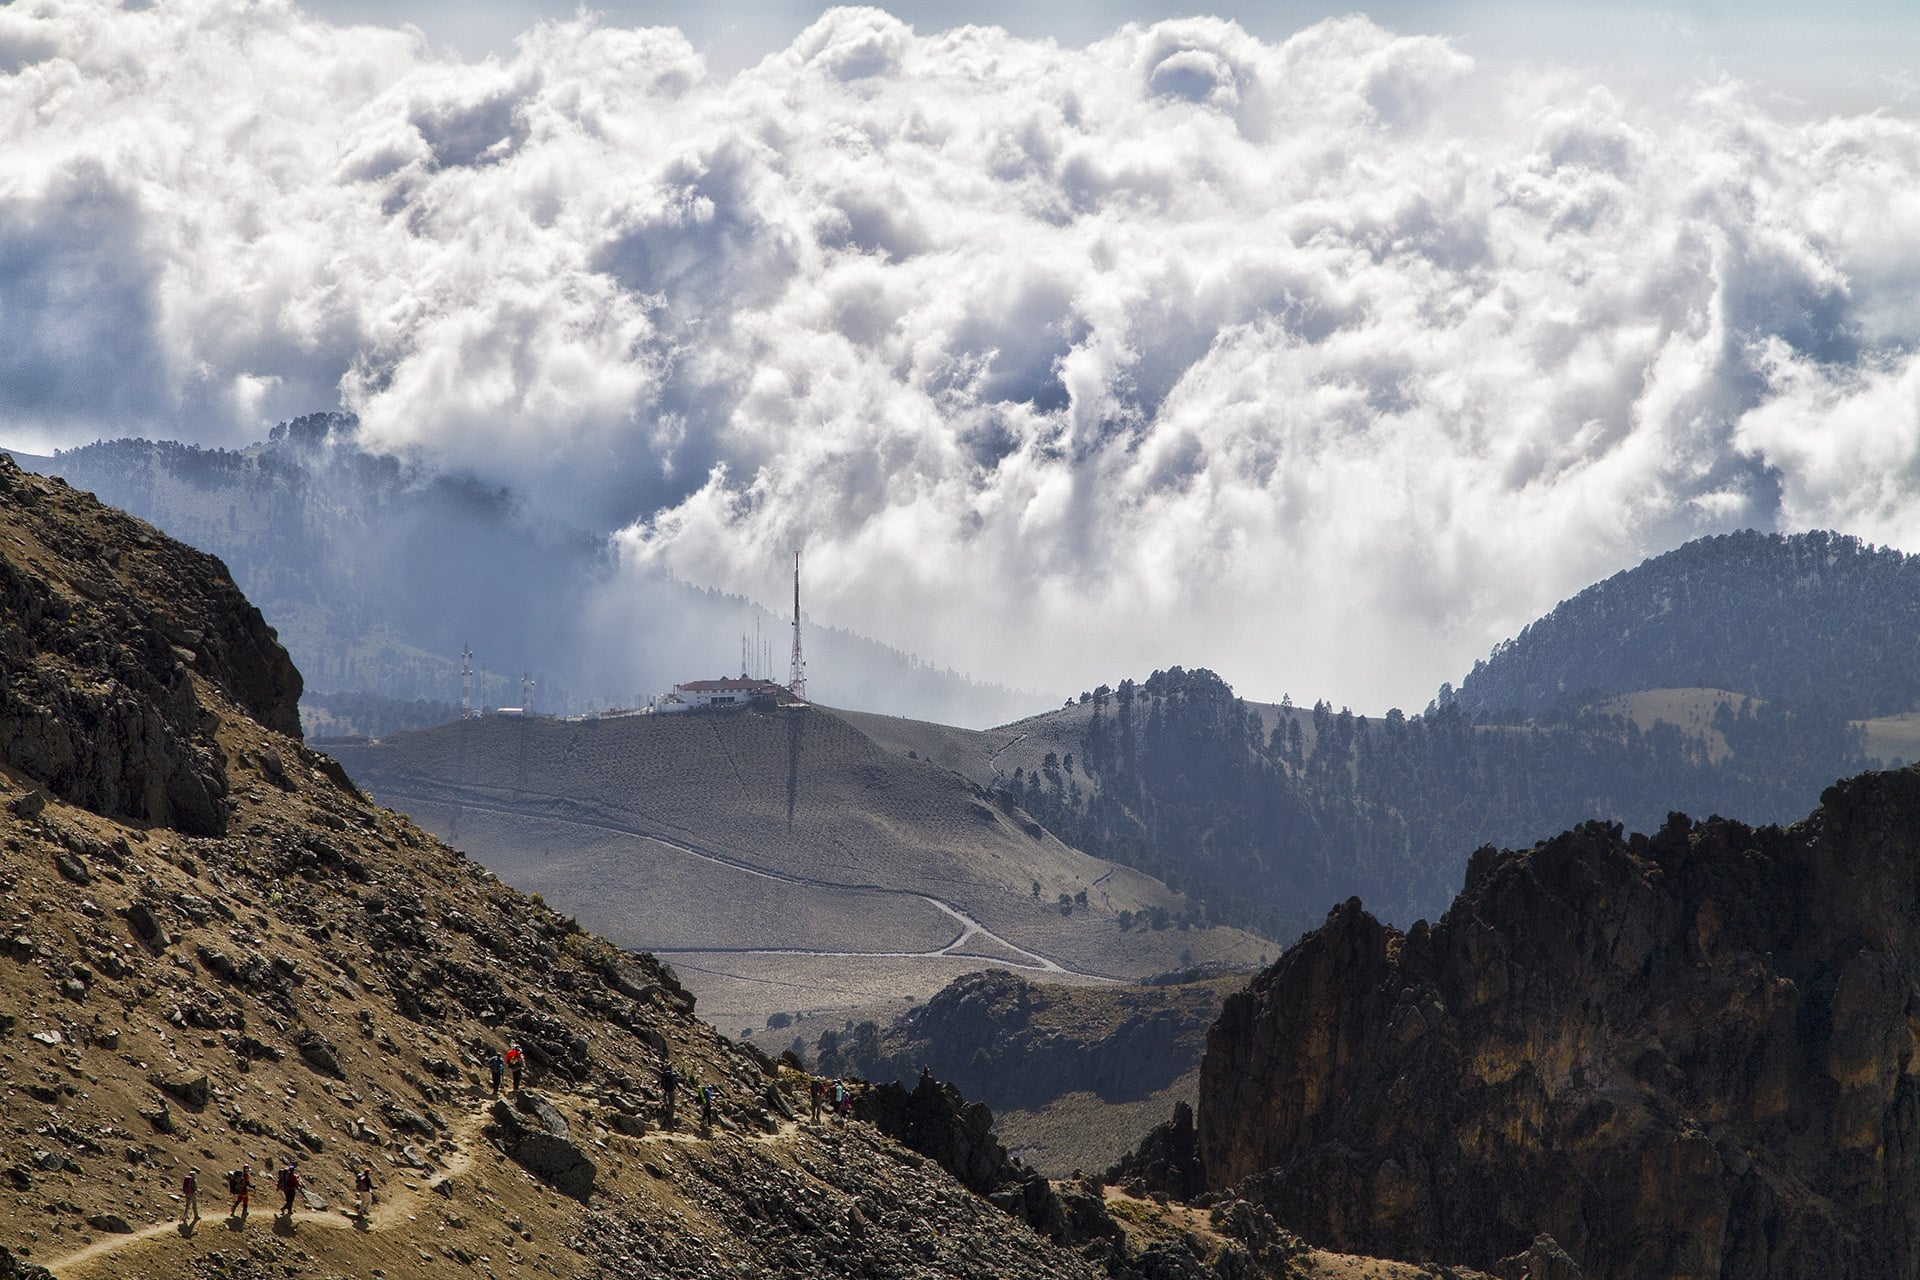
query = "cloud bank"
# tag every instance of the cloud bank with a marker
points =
(1326, 363)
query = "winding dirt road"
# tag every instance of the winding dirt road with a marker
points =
(970, 928)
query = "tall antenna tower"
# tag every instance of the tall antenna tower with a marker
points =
(466, 681)
(797, 684)
(526, 691)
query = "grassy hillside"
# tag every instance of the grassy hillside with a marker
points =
(784, 858)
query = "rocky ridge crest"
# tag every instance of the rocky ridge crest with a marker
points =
(105, 627)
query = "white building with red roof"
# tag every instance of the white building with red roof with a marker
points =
(703, 695)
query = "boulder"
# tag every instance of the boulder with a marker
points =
(13, 1267)
(318, 1052)
(146, 924)
(1543, 1260)
(191, 1089)
(539, 1139)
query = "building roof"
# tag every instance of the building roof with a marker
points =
(732, 684)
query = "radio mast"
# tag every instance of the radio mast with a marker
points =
(797, 684)
(466, 681)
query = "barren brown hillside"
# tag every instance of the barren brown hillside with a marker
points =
(783, 858)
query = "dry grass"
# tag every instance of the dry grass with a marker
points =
(1690, 710)
(599, 817)
(1894, 738)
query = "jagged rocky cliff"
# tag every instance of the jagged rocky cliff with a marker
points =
(1689, 1055)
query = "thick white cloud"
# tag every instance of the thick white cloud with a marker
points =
(1326, 363)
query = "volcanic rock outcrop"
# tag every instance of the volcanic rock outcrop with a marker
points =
(1689, 1055)
(104, 627)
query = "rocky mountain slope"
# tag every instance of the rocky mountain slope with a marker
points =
(781, 857)
(1690, 1054)
(1806, 619)
(291, 973)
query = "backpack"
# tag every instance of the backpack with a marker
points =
(188, 1185)
(234, 1182)
(285, 1180)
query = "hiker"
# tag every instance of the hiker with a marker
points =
(288, 1182)
(669, 1084)
(839, 1100)
(240, 1187)
(496, 1067)
(516, 1063)
(819, 1092)
(190, 1197)
(363, 1186)
(707, 1093)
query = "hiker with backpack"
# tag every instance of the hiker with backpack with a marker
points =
(288, 1182)
(190, 1197)
(819, 1092)
(516, 1063)
(496, 1067)
(669, 1085)
(240, 1187)
(707, 1094)
(363, 1186)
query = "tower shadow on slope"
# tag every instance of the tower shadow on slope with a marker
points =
(794, 731)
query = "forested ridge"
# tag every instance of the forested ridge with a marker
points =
(1810, 618)
(1266, 820)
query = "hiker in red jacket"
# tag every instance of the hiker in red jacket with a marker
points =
(516, 1063)
(289, 1182)
(240, 1187)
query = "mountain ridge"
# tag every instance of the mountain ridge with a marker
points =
(1810, 618)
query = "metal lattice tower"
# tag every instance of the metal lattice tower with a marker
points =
(526, 691)
(466, 681)
(797, 684)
